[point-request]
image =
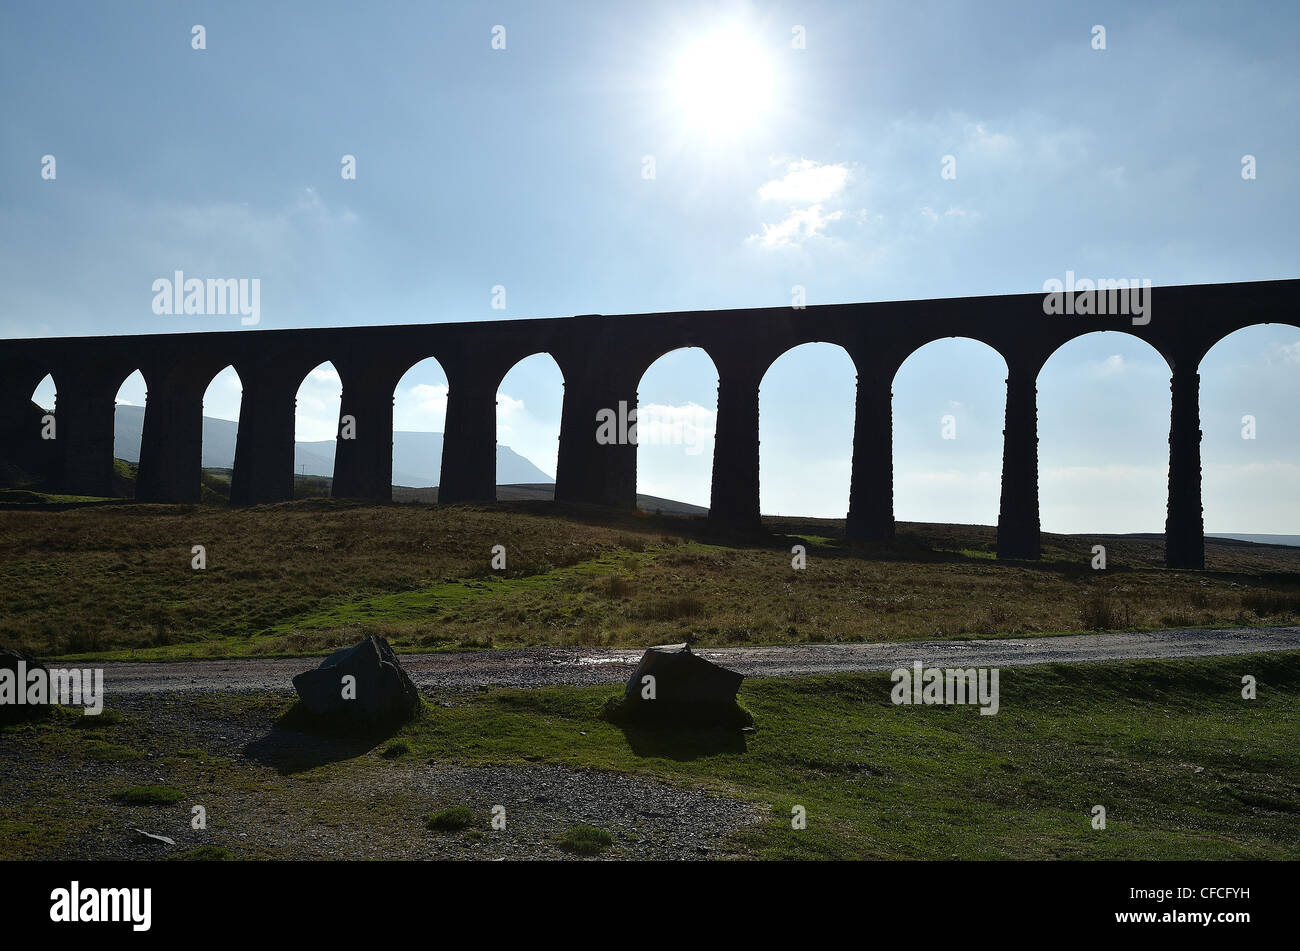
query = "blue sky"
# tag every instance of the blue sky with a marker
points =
(819, 166)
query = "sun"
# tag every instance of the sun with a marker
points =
(722, 83)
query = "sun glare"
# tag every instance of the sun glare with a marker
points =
(722, 83)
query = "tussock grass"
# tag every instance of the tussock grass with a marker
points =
(450, 820)
(306, 577)
(206, 853)
(586, 840)
(149, 796)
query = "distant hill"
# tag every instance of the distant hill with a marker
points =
(417, 457)
(1291, 540)
(544, 492)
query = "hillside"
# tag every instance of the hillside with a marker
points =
(312, 575)
(545, 492)
(417, 457)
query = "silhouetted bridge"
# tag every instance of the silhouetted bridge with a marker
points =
(602, 360)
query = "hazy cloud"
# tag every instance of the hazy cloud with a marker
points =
(806, 182)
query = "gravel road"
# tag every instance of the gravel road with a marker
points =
(543, 666)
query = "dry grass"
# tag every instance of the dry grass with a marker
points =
(307, 576)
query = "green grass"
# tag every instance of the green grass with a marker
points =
(205, 853)
(148, 796)
(450, 820)
(20, 497)
(395, 749)
(105, 752)
(99, 721)
(1186, 768)
(586, 840)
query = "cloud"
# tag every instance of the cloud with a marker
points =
(1113, 364)
(430, 397)
(665, 424)
(1290, 352)
(797, 227)
(509, 410)
(806, 182)
(992, 142)
(954, 211)
(508, 406)
(807, 186)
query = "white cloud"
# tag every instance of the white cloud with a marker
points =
(992, 142)
(797, 227)
(509, 410)
(954, 211)
(1111, 365)
(430, 397)
(686, 424)
(1290, 352)
(806, 182)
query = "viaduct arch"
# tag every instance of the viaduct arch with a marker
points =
(602, 360)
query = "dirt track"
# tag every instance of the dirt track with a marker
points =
(536, 667)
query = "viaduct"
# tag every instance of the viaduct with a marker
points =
(602, 359)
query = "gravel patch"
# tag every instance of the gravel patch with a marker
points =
(270, 793)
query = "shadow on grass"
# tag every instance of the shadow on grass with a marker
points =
(681, 743)
(689, 734)
(300, 741)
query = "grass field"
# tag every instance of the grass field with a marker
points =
(307, 576)
(1185, 768)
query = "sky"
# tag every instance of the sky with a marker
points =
(539, 159)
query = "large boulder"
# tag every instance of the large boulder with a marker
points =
(380, 694)
(687, 690)
(19, 665)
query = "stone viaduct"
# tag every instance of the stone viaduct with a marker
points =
(602, 359)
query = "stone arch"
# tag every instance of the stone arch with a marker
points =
(29, 428)
(317, 406)
(676, 422)
(948, 415)
(219, 434)
(784, 429)
(130, 404)
(45, 393)
(1250, 442)
(529, 400)
(419, 399)
(1103, 434)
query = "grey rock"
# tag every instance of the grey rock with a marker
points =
(384, 694)
(689, 690)
(15, 712)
